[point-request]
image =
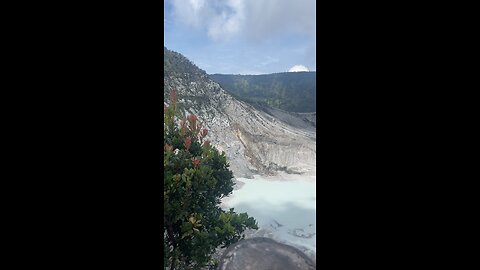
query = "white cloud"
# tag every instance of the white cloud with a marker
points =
(220, 18)
(251, 19)
(197, 4)
(298, 68)
(265, 35)
(226, 24)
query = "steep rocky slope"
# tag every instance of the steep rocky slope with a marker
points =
(255, 141)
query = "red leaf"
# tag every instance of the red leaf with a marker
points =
(168, 147)
(187, 143)
(195, 162)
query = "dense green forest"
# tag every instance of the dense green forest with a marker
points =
(289, 91)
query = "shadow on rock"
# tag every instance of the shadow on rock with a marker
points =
(264, 254)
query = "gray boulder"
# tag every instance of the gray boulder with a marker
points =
(262, 253)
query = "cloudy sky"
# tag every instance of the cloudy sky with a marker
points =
(243, 36)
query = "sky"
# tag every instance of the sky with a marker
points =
(243, 36)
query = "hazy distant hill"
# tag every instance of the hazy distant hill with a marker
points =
(289, 91)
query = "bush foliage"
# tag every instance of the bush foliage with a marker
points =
(196, 178)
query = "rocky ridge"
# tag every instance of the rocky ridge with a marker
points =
(255, 140)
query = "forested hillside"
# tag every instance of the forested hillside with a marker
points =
(289, 91)
(177, 64)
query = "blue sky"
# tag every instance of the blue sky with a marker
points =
(243, 36)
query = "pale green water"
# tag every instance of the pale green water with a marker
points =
(292, 204)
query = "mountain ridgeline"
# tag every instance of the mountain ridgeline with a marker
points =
(289, 91)
(255, 139)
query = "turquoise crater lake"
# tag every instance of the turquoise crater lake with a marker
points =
(284, 209)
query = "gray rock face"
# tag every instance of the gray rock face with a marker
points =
(255, 141)
(262, 254)
(306, 121)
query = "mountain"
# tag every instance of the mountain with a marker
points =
(256, 140)
(289, 91)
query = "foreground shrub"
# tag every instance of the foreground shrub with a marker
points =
(196, 178)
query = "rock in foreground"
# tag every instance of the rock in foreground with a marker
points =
(264, 253)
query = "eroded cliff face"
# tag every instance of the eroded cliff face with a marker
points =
(255, 141)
